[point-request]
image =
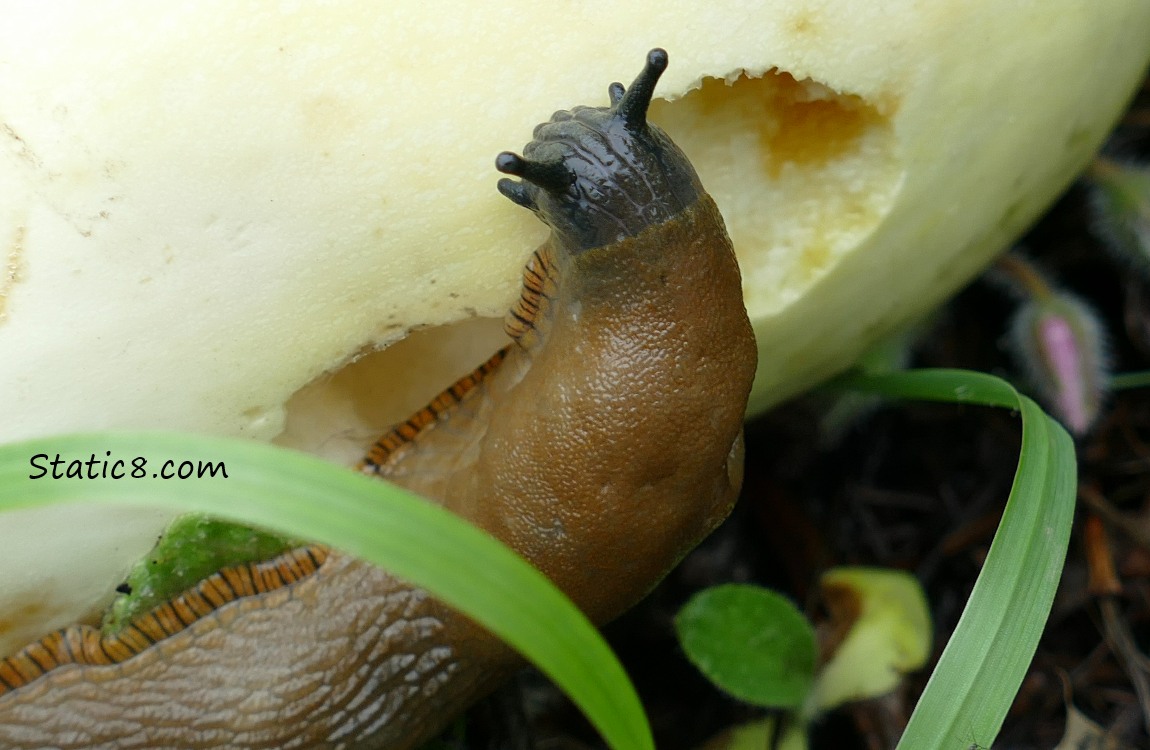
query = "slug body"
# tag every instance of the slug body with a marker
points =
(602, 444)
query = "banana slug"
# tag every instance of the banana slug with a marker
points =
(602, 443)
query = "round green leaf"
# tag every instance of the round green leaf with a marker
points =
(751, 642)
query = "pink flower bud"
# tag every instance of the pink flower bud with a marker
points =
(1058, 339)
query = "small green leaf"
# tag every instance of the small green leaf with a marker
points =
(751, 642)
(759, 735)
(890, 634)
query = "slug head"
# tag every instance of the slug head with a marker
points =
(596, 175)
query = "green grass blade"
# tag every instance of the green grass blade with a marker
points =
(1126, 380)
(303, 496)
(982, 667)
(949, 386)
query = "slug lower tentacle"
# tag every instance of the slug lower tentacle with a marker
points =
(602, 444)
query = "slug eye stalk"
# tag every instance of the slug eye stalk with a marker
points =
(552, 176)
(598, 174)
(629, 107)
(632, 106)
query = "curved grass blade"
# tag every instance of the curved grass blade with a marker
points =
(982, 667)
(305, 497)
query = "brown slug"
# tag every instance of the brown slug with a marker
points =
(602, 444)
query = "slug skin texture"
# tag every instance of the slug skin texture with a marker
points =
(603, 443)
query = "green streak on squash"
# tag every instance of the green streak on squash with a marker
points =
(194, 547)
